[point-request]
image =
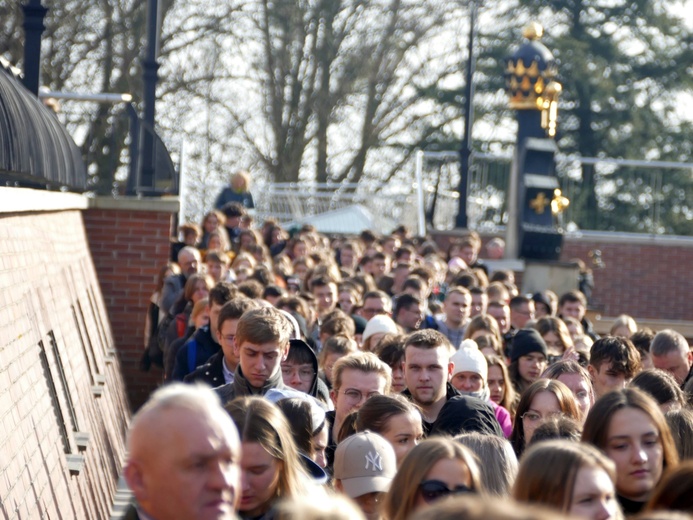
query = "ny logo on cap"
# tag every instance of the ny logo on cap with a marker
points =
(375, 460)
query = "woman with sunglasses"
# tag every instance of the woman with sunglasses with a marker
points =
(544, 399)
(436, 468)
(630, 428)
(576, 479)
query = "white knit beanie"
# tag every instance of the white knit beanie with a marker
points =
(379, 324)
(470, 359)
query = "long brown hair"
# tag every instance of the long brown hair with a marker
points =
(509, 400)
(399, 501)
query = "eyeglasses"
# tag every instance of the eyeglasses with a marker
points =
(372, 312)
(356, 396)
(533, 417)
(304, 374)
(432, 490)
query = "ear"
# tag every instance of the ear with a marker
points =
(591, 371)
(333, 396)
(236, 348)
(135, 479)
(338, 485)
(690, 358)
(451, 370)
(285, 351)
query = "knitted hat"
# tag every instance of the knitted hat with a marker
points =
(379, 324)
(470, 359)
(365, 463)
(525, 342)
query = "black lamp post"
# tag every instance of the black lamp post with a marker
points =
(466, 146)
(34, 13)
(150, 67)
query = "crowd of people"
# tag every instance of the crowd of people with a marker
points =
(380, 377)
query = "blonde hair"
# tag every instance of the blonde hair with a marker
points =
(399, 501)
(363, 362)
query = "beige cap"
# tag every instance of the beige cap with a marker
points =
(365, 463)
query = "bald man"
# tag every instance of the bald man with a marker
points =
(184, 455)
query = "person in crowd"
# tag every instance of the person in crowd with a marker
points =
(521, 311)
(375, 303)
(681, 425)
(467, 248)
(211, 221)
(348, 298)
(364, 467)
(427, 373)
(482, 325)
(190, 473)
(332, 351)
(670, 352)
(545, 304)
(261, 345)
(335, 506)
(300, 371)
(542, 400)
(390, 350)
(480, 508)
(577, 379)
(356, 377)
(629, 427)
(394, 417)
(234, 212)
(488, 345)
(464, 413)
(190, 263)
(217, 265)
(574, 304)
(557, 428)
(456, 308)
(501, 390)
(623, 326)
(377, 327)
(409, 312)
(324, 291)
(155, 315)
(674, 491)
(555, 334)
(497, 461)
(198, 318)
(495, 248)
(196, 288)
(271, 468)
(613, 363)
(576, 479)
(470, 377)
(662, 387)
(642, 339)
(221, 367)
(500, 311)
(437, 468)
(479, 301)
(204, 343)
(528, 358)
(237, 191)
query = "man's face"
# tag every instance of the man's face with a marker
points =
(605, 379)
(400, 274)
(410, 317)
(347, 258)
(260, 362)
(573, 309)
(468, 254)
(298, 376)
(372, 307)
(520, 315)
(325, 297)
(426, 372)
(502, 316)
(380, 267)
(675, 362)
(189, 263)
(189, 473)
(354, 389)
(227, 340)
(479, 303)
(457, 308)
(214, 310)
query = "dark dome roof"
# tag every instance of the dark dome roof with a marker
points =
(35, 149)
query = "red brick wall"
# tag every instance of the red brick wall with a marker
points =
(129, 244)
(49, 296)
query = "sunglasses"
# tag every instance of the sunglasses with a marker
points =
(432, 490)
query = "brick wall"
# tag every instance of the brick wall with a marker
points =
(129, 242)
(63, 408)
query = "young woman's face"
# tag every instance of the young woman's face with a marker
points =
(544, 406)
(200, 291)
(531, 366)
(496, 383)
(346, 301)
(453, 473)
(202, 319)
(634, 444)
(594, 496)
(211, 223)
(404, 431)
(214, 242)
(260, 478)
(553, 343)
(582, 391)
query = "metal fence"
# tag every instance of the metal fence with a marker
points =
(652, 197)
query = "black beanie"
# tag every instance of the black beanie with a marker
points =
(525, 342)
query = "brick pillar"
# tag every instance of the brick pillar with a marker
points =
(129, 242)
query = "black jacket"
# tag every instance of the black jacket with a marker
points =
(465, 413)
(212, 372)
(450, 392)
(196, 352)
